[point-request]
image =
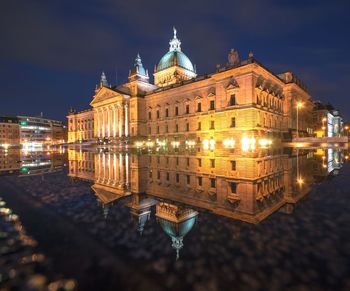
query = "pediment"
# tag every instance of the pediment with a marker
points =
(232, 84)
(104, 94)
(108, 194)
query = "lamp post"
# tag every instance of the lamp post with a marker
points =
(299, 105)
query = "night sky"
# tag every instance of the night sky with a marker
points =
(53, 52)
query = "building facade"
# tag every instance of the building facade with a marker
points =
(327, 121)
(9, 132)
(39, 131)
(241, 100)
(80, 126)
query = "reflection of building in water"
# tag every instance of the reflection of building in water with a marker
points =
(81, 164)
(327, 161)
(39, 163)
(247, 187)
(112, 174)
(140, 209)
(10, 161)
(243, 187)
(176, 221)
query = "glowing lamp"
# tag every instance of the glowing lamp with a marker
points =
(229, 143)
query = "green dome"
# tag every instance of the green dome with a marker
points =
(173, 58)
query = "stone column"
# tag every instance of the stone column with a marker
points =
(103, 122)
(96, 121)
(127, 170)
(120, 120)
(114, 121)
(126, 120)
(114, 169)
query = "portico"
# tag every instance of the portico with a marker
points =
(111, 114)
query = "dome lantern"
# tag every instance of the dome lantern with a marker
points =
(174, 66)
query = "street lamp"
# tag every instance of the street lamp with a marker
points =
(299, 105)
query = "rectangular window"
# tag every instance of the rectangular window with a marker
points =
(187, 109)
(158, 129)
(177, 161)
(233, 187)
(176, 111)
(188, 178)
(199, 162)
(177, 178)
(158, 175)
(199, 126)
(233, 100)
(199, 181)
(187, 127)
(212, 124)
(212, 163)
(199, 107)
(233, 121)
(188, 162)
(212, 104)
(212, 183)
(150, 115)
(167, 176)
(158, 159)
(158, 114)
(233, 165)
(166, 112)
(176, 128)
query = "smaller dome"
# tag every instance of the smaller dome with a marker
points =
(175, 58)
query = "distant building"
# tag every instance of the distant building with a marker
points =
(241, 98)
(38, 131)
(327, 121)
(9, 132)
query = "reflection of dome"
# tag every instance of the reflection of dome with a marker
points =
(177, 229)
(176, 222)
(175, 58)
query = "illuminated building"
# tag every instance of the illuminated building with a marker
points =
(9, 161)
(9, 132)
(239, 98)
(80, 126)
(36, 132)
(327, 121)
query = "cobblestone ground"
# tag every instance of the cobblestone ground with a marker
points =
(22, 266)
(306, 250)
